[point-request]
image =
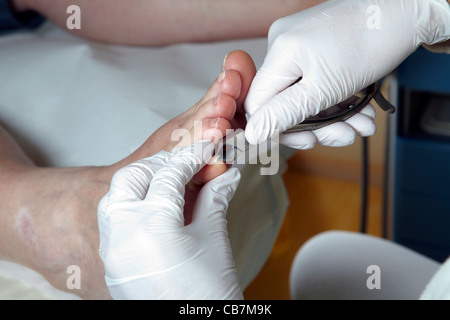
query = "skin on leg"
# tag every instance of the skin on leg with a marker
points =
(163, 22)
(49, 215)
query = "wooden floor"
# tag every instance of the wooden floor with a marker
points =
(317, 203)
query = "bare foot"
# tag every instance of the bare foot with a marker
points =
(49, 215)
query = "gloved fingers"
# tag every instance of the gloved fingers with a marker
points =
(338, 134)
(299, 140)
(167, 188)
(213, 200)
(278, 72)
(369, 111)
(363, 122)
(131, 183)
(285, 110)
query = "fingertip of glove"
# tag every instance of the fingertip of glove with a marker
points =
(370, 130)
(363, 124)
(249, 135)
(254, 134)
(299, 140)
(233, 173)
(339, 134)
(369, 111)
(226, 184)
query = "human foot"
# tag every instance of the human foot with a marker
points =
(219, 110)
(48, 215)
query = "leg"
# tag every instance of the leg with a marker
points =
(49, 215)
(168, 22)
(334, 265)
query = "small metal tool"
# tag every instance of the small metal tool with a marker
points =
(235, 144)
(344, 110)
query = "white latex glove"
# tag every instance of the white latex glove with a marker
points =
(147, 251)
(338, 48)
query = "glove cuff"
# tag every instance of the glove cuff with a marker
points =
(443, 47)
(434, 24)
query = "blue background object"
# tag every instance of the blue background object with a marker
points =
(421, 213)
(425, 71)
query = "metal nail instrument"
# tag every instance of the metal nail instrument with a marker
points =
(234, 144)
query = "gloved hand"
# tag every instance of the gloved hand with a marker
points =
(338, 48)
(148, 252)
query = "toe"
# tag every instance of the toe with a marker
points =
(228, 82)
(213, 129)
(243, 63)
(223, 106)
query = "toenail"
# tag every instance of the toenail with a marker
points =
(223, 75)
(218, 98)
(224, 62)
(216, 159)
(214, 123)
